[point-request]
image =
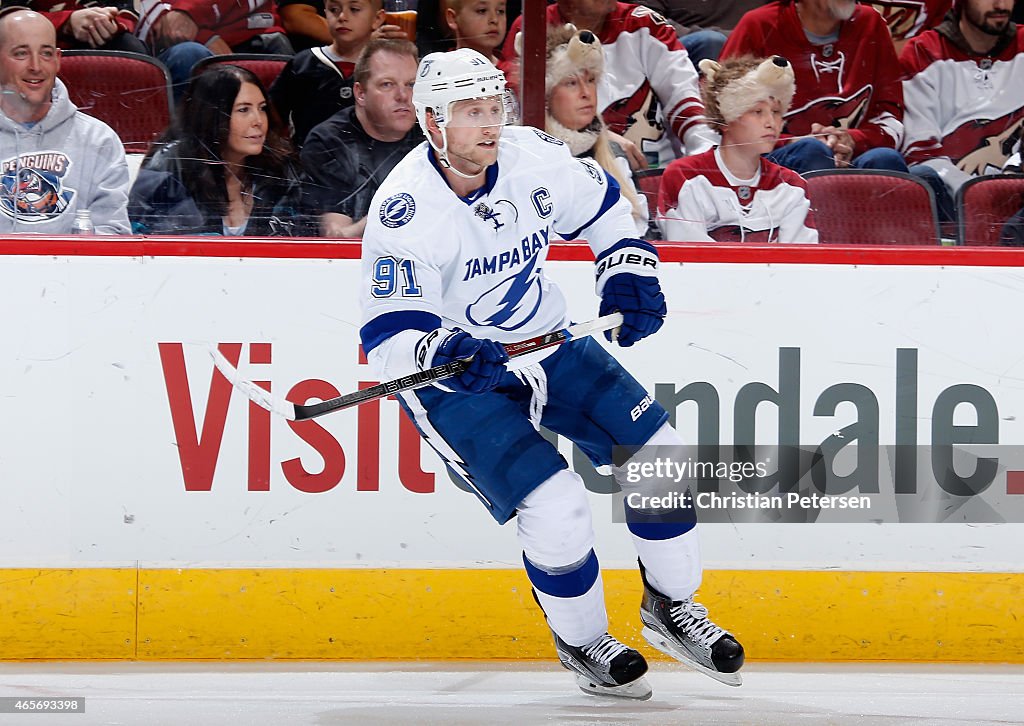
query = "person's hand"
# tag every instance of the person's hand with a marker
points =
(641, 303)
(218, 46)
(634, 155)
(93, 26)
(486, 361)
(389, 32)
(175, 26)
(837, 139)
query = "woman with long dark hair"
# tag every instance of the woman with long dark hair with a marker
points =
(222, 168)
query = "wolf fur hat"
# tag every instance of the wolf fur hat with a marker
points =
(737, 85)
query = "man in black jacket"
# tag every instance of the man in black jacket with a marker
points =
(348, 156)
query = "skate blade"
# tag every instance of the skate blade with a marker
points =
(657, 640)
(639, 690)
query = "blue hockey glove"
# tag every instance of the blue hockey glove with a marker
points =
(627, 282)
(641, 303)
(486, 368)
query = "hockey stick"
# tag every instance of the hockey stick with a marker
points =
(300, 412)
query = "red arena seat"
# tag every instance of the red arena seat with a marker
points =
(648, 183)
(266, 66)
(869, 206)
(984, 204)
(129, 92)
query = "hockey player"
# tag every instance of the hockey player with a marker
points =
(453, 256)
(733, 193)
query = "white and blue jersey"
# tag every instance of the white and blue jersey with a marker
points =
(432, 259)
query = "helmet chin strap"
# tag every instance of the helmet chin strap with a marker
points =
(443, 160)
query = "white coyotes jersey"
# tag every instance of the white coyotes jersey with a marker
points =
(478, 263)
(701, 201)
(965, 108)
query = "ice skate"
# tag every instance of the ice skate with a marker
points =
(681, 629)
(606, 667)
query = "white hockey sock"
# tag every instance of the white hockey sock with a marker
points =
(555, 530)
(665, 540)
(576, 620)
(673, 565)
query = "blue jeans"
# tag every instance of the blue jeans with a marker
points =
(813, 154)
(179, 59)
(943, 198)
(703, 44)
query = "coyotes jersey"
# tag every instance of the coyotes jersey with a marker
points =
(853, 83)
(647, 77)
(234, 21)
(909, 18)
(963, 107)
(59, 13)
(702, 201)
(433, 259)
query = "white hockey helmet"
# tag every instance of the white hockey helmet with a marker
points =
(459, 75)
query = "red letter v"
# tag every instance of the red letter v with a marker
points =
(198, 456)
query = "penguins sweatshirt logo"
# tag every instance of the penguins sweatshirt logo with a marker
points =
(32, 186)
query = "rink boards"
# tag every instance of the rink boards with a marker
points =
(152, 512)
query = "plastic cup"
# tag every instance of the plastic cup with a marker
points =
(403, 14)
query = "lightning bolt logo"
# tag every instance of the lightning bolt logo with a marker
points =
(502, 306)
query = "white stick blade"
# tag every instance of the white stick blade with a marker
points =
(254, 393)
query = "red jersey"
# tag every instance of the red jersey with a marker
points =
(909, 18)
(853, 83)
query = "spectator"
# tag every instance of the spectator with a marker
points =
(104, 24)
(907, 20)
(574, 67)
(477, 24)
(733, 193)
(183, 32)
(1012, 165)
(223, 168)
(702, 25)
(305, 22)
(348, 156)
(317, 83)
(432, 31)
(1013, 231)
(848, 103)
(55, 161)
(649, 80)
(964, 97)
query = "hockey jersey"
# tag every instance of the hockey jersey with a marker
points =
(233, 21)
(311, 88)
(963, 109)
(59, 12)
(909, 18)
(853, 83)
(647, 71)
(433, 259)
(702, 201)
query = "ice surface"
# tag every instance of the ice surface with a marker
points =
(456, 693)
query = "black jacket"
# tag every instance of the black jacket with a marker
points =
(310, 89)
(345, 166)
(1013, 231)
(160, 203)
